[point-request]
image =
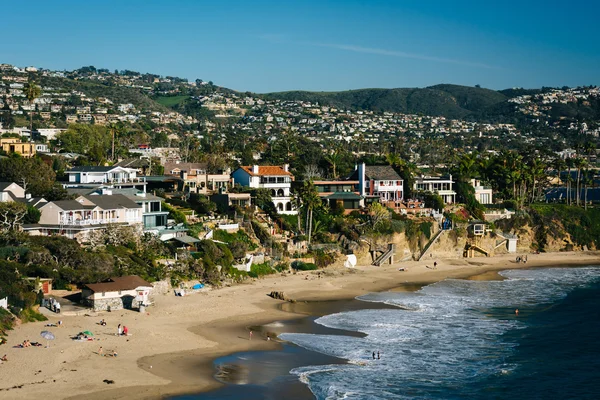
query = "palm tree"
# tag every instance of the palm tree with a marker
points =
(579, 164)
(569, 162)
(537, 169)
(588, 179)
(32, 92)
(298, 205)
(334, 159)
(312, 201)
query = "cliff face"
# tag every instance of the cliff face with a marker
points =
(536, 230)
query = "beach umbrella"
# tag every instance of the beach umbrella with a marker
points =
(88, 333)
(48, 336)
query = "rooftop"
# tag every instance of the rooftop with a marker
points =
(266, 170)
(116, 284)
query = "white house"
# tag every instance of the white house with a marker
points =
(441, 185)
(117, 293)
(483, 194)
(75, 219)
(116, 177)
(277, 179)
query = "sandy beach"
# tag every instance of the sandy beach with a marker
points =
(171, 347)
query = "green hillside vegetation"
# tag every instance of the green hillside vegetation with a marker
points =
(452, 101)
(170, 101)
(582, 225)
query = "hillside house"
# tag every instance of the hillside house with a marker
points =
(276, 179)
(196, 177)
(75, 219)
(14, 145)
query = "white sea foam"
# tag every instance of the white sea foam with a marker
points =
(445, 335)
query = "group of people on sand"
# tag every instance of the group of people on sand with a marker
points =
(122, 330)
(522, 259)
(110, 353)
(27, 343)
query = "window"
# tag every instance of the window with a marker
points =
(103, 294)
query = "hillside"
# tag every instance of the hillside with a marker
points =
(118, 94)
(452, 101)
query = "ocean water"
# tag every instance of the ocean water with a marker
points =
(461, 339)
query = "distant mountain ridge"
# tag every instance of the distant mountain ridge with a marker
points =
(452, 101)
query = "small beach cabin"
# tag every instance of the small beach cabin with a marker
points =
(116, 293)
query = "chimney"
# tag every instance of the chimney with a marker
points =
(286, 167)
(255, 169)
(361, 179)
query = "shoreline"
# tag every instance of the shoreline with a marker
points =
(174, 345)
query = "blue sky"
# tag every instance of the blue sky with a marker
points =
(264, 46)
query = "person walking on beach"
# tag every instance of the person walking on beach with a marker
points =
(250, 334)
(101, 351)
(435, 265)
(119, 330)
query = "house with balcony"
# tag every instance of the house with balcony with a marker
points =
(340, 194)
(14, 145)
(442, 185)
(197, 178)
(483, 194)
(277, 179)
(100, 176)
(75, 219)
(379, 182)
(153, 217)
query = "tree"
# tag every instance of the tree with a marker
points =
(32, 92)
(579, 163)
(91, 140)
(33, 174)
(334, 159)
(311, 201)
(378, 214)
(12, 215)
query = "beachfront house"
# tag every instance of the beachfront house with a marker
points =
(337, 194)
(117, 293)
(381, 182)
(277, 179)
(483, 194)
(442, 185)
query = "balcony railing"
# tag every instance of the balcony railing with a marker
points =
(85, 222)
(125, 180)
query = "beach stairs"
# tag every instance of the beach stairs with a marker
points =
(500, 243)
(430, 244)
(474, 247)
(388, 255)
